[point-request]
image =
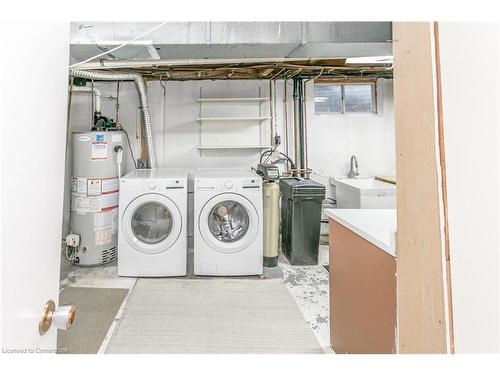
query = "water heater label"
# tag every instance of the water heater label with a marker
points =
(84, 138)
(116, 138)
(99, 150)
(94, 186)
(95, 204)
(79, 204)
(107, 220)
(103, 237)
(99, 137)
(110, 185)
(79, 186)
(109, 201)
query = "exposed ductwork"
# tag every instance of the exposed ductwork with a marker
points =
(141, 88)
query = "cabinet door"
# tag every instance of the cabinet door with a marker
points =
(362, 294)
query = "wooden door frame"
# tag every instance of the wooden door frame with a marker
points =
(424, 292)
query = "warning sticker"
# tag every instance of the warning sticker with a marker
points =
(79, 204)
(109, 201)
(110, 185)
(94, 186)
(99, 150)
(107, 220)
(95, 204)
(103, 237)
(86, 204)
(79, 186)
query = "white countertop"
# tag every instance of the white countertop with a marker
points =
(377, 226)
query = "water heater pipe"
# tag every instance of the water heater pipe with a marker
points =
(95, 90)
(141, 88)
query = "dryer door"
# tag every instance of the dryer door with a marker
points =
(151, 223)
(228, 223)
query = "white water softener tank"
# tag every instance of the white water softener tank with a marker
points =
(271, 197)
(97, 157)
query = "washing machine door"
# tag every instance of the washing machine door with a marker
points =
(228, 223)
(151, 223)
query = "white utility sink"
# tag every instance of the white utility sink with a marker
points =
(364, 193)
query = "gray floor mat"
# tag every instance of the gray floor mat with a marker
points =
(214, 316)
(96, 309)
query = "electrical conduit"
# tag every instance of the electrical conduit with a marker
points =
(141, 88)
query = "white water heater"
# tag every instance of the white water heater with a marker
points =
(97, 157)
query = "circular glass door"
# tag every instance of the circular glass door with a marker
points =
(151, 223)
(228, 223)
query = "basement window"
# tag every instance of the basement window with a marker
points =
(345, 98)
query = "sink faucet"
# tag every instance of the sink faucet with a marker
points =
(353, 173)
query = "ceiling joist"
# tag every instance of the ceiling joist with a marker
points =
(251, 69)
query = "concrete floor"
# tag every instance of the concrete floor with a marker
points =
(308, 285)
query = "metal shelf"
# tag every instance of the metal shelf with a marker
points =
(218, 119)
(230, 100)
(243, 147)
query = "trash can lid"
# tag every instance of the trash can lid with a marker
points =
(301, 186)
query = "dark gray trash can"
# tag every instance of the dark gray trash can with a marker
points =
(301, 219)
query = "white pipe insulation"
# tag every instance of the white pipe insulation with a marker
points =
(141, 88)
(95, 90)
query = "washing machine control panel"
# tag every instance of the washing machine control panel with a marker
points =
(174, 184)
(229, 184)
(164, 184)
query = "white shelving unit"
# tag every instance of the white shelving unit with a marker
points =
(230, 100)
(238, 120)
(244, 147)
(219, 119)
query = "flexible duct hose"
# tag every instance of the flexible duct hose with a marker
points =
(141, 88)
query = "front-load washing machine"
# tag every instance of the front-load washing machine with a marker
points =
(152, 237)
(227, 222)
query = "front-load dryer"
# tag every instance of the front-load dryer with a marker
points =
(227, 222)
(152, 237)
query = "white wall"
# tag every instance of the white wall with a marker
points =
(332, 138)
(471, 115)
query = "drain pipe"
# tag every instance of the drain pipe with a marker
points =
(141, 88)
(298, 120)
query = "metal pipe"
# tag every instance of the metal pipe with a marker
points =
(297, 133)
(285, 116)
(304, 119)
(141, 88)
(301, 124)
(271, 112)
(275, 122)
(117, 101)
